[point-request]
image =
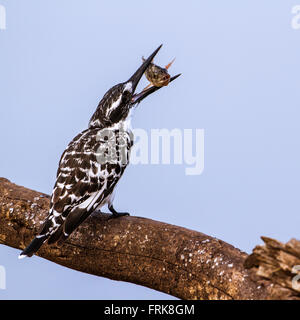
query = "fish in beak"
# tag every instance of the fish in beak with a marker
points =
(134, 80)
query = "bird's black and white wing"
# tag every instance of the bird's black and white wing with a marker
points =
(88, 171)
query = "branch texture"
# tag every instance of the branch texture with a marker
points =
(171, 259)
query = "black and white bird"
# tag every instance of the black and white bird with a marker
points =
(93, 163)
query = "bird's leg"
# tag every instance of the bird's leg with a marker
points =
(169, 64)
(116, 214)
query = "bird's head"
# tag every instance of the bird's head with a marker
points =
(117, 101)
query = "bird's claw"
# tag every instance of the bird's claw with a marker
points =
(118, 215)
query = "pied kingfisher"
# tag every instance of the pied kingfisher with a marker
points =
(93, 163)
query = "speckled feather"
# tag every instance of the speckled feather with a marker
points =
(82, 182)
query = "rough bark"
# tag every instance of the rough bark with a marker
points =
(279, 263)
(184, 263)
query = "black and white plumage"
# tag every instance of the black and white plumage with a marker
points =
(92, 164)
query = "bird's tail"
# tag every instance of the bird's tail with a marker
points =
(37, 242)
(33, 247)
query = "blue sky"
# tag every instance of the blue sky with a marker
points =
(240, 83)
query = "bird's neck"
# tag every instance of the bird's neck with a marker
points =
(122, 125)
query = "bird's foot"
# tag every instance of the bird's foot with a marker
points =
(116, 214)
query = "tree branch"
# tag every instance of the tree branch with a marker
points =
(181, 262)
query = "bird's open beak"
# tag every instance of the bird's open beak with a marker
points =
(137, 98)
(140, 71)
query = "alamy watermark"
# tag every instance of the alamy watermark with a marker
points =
(295, 23)
(2, 278)
(2, 17)
(161, 146)
(296, 279)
